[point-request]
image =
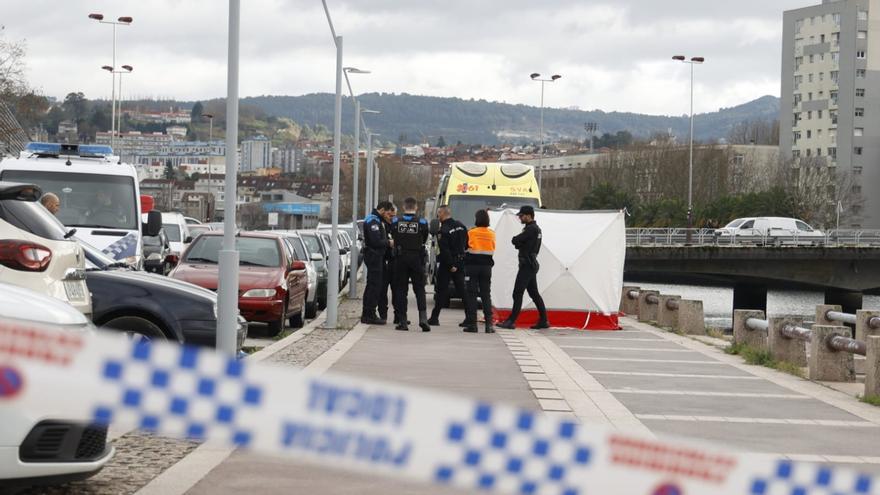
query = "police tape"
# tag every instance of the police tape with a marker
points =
(368, 426)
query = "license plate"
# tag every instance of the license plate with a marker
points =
(75, 289)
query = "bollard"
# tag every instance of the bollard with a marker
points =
(822, 310)
(872, 370)
(647, 311)
(826, 364)
(628, 305)
(690, 317)
(743, 334)
(667, 311)
(783, 348)
(864, 319)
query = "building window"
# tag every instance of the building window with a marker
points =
(856, 189)
(832, 152)
(810, 116)
(810, 96)
(860, 54)
(859, 131)
(818, 151)
(821, 78)
(821, 38)
(860, 92)
(795, 153)
(809, 152)
(862, 35)
(739, 159)
(857, 170)
(810, 77)
(857, 150)
(819, 114)
(860, 73)
(836, 18)
(862, 15)
(812, 59)
(860, 112)
(835, 76)
(832, 133)
(833, 95)
(809, 134)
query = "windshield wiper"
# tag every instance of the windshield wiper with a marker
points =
(96, 226)
(251, 263)
(203, 260)
(70, 233)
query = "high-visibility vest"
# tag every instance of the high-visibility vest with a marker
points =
(481, 240)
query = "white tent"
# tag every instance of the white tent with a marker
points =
(581, 274)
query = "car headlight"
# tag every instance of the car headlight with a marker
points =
(259, 293)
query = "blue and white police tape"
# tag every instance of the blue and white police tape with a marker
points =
(369, 426)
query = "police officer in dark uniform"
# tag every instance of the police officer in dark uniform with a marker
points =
(376, 244)
(410, 232)
(452, 241)
(528, 243)
(388, 273)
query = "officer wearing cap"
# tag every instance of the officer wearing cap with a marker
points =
(528, 243)
(410, 232)
(376, 243)
(452, 239)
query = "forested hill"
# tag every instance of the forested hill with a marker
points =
(426, 118)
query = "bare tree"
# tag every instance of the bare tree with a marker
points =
(755, 132)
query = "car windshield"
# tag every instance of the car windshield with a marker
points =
(32, 217)
(734, 224)
(298, 248)
(464, 207)
(87, 200)
(197, 229)
(172, 230)
(312, 244)
(253, 251)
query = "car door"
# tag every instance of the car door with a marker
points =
(295, 281)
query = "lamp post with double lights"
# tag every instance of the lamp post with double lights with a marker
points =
(690, 211)
(537, 77)
(126, 70)
(210, 117)
(121, 21)
(355, 160)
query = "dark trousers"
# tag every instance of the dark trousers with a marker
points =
(387, 284)
(373, 288)
(479, 283)
(441, 287)
(526, 280)
(409, 267)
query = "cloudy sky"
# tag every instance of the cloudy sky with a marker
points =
(613, 55)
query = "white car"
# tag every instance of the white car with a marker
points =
(770, 230)
(39, 447)
(177, 231)
(37, 252)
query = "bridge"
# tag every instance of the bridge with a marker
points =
(842, 263)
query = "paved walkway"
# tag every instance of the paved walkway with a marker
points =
(636, 380)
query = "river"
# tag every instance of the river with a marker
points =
(718, 301)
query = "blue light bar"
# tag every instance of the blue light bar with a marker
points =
(44, 148)
(98, 150)
(58, 149)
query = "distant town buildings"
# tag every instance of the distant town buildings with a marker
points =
(830, 112)
(173, 116)
(256, 153)
(129, 145)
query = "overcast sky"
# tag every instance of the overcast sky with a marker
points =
(613, 55)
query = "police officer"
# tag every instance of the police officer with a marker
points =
(410, 232)
(376, 244)
(388, 273)
(452, 241)
(528, 243)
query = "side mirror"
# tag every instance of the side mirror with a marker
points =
(434, 226)
(297, 265)
(316, 257)
(188, 239)
(172, 259)
(153, 224)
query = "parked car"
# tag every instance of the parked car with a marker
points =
(301, 253)
(192, 221)
(149, 306)
(318, 255)
(158, 257)
(36, 251)
(344, 243)
(325, 239)
(177, 231)
(272, 285)
(770, 230)
(40, 446)
(195, 230)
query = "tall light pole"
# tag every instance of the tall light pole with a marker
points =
(121, 21)
(126, 70)
(591, 128)
(690, 212)
(210, 117)
(369, 200)
(228, 293)
(355, 165)
(537, 77)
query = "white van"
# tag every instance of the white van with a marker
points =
(770, 229)
(177, 231)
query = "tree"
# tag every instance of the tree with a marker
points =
(764, 132)
(75, 105)
(197, 111)
(12, 67)
(607, 197)
(441, 143)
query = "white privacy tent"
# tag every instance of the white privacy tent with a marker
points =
(581, 274)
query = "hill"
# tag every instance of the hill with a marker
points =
(426, 118)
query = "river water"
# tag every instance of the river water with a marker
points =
(718, 301)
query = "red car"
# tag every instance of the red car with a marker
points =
(272, 283)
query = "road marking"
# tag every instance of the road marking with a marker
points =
(644, 349)
(706, 393)
(635, 360)
(769, 421)
(673, 375)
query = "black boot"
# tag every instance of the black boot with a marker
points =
(401, 326)
(542, 324)
(423, 321)
(472, 328)
(508, 324)
(465, 323)
(489, 327)
(372, 320)
(434, 320)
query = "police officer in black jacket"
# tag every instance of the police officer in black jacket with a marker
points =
(452, 240)
(528, 243)
(376, 244)
(410, 232)
(388, 273)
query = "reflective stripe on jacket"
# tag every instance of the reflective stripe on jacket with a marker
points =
(481, 246)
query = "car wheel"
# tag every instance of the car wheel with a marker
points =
(311, 309)
(298, 320)
(275, 327)
(136, 327)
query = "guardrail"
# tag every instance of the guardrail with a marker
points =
(649, 237)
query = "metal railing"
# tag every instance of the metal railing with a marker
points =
(873, 322)
(837, 343)
(650, 237)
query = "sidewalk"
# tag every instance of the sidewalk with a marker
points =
(445, 359)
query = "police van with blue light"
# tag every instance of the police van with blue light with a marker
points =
(99, 195)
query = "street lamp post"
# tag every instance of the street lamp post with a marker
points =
(537, 77)
(121, 21)
(210, 117)
(127, 70)
(355, 159)
(690, 211)
(368, 183)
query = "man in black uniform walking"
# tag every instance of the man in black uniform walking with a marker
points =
(376, 244)
(388, 273)
(452, 241)
(410, 232)
(528, 243)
